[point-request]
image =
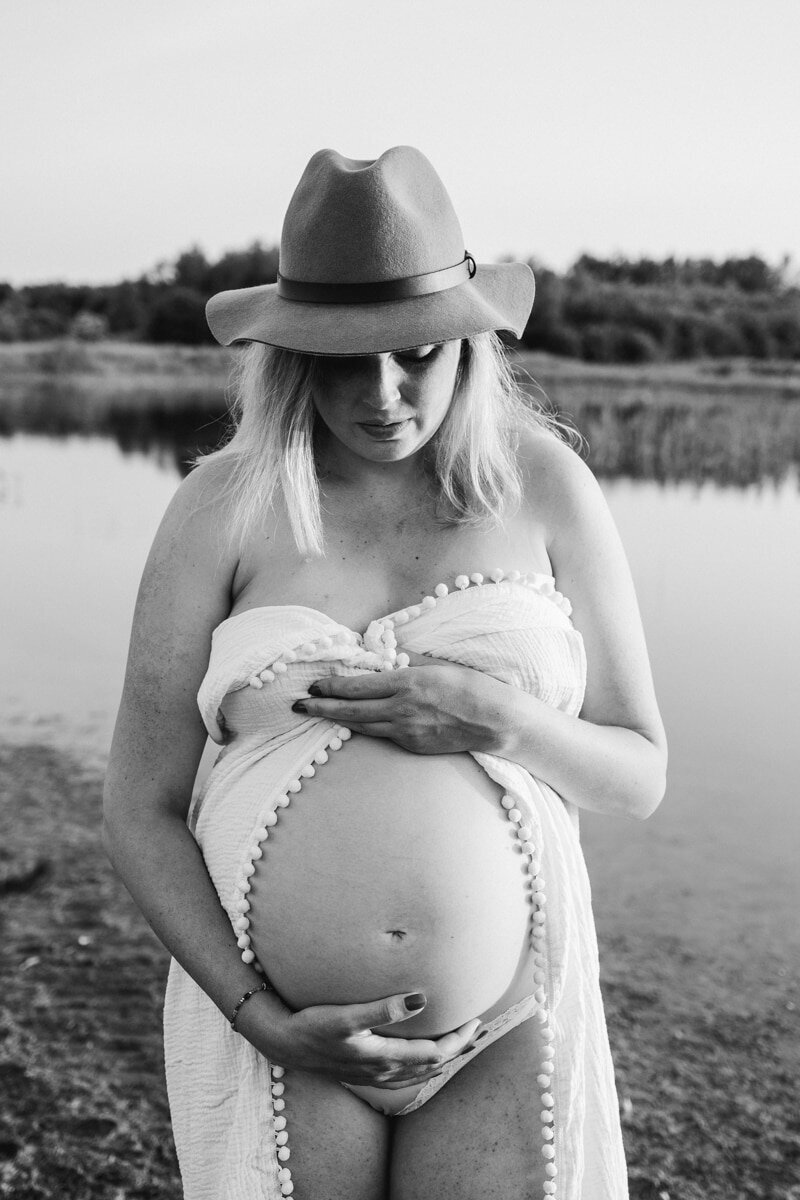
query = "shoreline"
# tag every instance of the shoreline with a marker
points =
(705, 1068)
(729, 421)
(172, 371)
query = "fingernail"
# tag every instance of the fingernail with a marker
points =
(299, 706)
(314, 690)
(415, 1002)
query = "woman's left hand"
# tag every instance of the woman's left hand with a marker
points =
(430, 707)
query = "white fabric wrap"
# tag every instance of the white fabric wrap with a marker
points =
(218, 1084)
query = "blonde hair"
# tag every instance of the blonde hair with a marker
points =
(471, 459)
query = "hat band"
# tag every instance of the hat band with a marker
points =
(384, 289)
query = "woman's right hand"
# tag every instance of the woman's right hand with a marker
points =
(336, 1040)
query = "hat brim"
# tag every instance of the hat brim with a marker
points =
(498, 297)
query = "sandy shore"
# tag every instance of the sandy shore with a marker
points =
(707, 1085)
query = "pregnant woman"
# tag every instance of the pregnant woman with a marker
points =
(399, 603)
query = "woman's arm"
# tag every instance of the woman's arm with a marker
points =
(610, 760)
(158, 741)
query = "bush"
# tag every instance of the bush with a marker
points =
(635, 346)
(719, 337)
(41, 324)
(125, 307)
(11, 322)
(178, 315)
(89, 327)
(597, 343)
(785, 331)
(602, 310)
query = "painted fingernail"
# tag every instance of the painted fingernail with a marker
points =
(299, 706)
(415, 1002)
(314, 690)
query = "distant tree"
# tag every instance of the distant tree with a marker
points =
(687, 339)
(547, 315)
(12, 318)
(192, 270)
(252, 267)
(635, 346)
(63, 299)
(40, 324)
(785, 331)
(603, 310)
(755, 334)
(720, 337)
(750, 274)
(125, 307)
(593, 268)
(178, 315)
(597, 343)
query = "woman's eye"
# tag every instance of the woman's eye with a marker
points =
(417, 354)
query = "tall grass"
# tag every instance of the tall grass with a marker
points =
(723, 421)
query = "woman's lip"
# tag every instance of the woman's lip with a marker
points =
(384, 433)
(384, 424)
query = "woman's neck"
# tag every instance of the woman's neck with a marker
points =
(389, 482)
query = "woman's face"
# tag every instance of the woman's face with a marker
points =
(384, 407)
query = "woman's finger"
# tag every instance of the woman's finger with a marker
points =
(395, 1084)
(378, 729)
(371, 685)
(456, 1042)
(344, 711)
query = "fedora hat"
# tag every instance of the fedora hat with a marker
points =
(372, 259)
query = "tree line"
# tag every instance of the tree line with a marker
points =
(599, 310)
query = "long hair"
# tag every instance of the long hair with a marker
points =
(471, 459)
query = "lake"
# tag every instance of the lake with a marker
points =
(718, 576)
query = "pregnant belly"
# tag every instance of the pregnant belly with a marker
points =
(394, 872)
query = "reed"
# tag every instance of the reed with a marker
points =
(735, 422)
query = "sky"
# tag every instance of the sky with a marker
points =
(132, 130)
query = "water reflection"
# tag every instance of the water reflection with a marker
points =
(717, 574)
(175, 426)
(737, 442)
(175, 437)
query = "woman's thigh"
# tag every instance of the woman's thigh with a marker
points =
(479, 1138)
(339, 1146)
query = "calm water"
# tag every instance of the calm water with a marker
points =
(718, 575)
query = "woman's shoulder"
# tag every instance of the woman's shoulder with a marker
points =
(207, 482)
(196, 525)
(190, 568)
(557, 483)
(200, 499)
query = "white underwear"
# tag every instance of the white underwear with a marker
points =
(397, 1102)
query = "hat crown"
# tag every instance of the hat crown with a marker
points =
(367, 221)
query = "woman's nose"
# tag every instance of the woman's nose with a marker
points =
(382, 381)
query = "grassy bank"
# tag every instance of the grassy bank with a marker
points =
(109, 370)
(706, 1073)
(733, 422)
(90, 381)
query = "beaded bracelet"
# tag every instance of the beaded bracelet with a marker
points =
(262, 987)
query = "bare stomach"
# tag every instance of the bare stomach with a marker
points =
(394, 872)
